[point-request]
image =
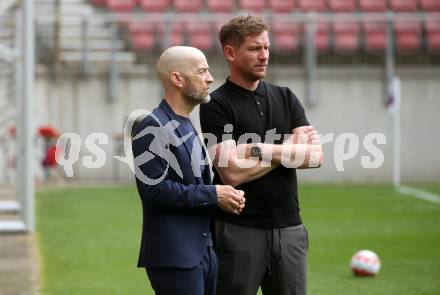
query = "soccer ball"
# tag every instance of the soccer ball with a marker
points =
(365, 263)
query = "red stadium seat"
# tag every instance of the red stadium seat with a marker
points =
(154, 5)
(346, 37)
(221, 5)
(373, 5)
(375, 36)
(322, 36)
(403, 5)
(142, 35)
(99, 2)
(141, 27)
(121, 5)
(312, 5)
(140, 42)
(252, 5)
(342, 5)
(199, 35)
(123, 19)
(188, 5)
(407, 34)
(430, 5)
(176, 34)
(281, 5)
(286, 35)
(432, 27)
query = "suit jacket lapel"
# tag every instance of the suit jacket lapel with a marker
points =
(168, 112)
(207, 172)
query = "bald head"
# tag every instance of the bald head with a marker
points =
(177, 59)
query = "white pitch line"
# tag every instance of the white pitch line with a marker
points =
(418, 193)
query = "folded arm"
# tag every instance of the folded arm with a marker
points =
(236, 166)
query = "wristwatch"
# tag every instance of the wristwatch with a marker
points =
(256, 151)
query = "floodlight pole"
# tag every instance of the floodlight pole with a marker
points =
(26, 151)
(396, 88)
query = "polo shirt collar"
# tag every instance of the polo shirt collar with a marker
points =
(246, 92)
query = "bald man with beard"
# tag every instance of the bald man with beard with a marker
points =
(174, 182)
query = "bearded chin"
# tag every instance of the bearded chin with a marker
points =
(206, 99)
(258, 76)
(197, 99)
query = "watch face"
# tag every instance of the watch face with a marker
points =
(256, 151)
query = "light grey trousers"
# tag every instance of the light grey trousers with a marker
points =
(275, 259)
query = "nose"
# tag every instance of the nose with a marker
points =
(264, 54)
(209, 78)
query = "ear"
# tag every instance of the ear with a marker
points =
(229, 52)
(176, 79)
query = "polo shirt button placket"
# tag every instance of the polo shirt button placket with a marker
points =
(258, 106)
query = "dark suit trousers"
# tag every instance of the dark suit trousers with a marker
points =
(200, 280)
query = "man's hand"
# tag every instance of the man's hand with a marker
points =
(309, 137)
(304, 135)
(230, 199)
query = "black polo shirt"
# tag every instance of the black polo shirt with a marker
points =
(272, 200)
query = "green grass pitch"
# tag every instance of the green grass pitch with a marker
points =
(88, 240)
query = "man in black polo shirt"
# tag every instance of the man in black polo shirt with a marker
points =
(259, 128)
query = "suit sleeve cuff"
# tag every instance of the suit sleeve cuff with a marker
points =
(210, 198)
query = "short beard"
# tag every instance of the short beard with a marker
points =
(252, 77)
(195, 98)
(257, 77)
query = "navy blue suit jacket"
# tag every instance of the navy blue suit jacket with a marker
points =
(177, 206)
